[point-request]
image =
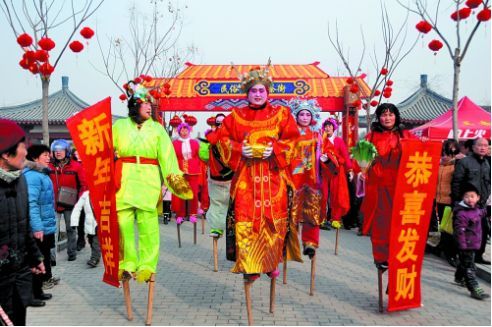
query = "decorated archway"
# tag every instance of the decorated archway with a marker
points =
(217, 88)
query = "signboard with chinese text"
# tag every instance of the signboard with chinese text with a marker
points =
(412, 206)
(91, 132)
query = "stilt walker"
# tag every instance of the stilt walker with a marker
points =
(186, 150)
(335, 165)
(219, 184)
(256, 142)
(144, 154)
(377, 205)
(305, 169)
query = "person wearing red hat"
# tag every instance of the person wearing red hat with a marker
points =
(19, 254)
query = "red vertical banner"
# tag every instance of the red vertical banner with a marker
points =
(350, 128)
(91, 132)
(412, 206)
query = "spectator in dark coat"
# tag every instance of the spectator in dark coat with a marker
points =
(474, 169)
(467, 226)
(19, 255)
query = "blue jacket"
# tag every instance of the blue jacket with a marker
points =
(41, 199)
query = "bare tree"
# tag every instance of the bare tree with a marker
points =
(41, 17)
(460, 49)
(385, 59)
(150, 48)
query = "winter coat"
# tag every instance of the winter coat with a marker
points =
(90, 223)
(70, 175)
(41, 198)
(443, 192)
(467, 226)
(472, 170)
(18, 250)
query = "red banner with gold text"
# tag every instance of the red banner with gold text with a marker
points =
(91, 131)
(412, 206)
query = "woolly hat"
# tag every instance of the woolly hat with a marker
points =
(10, 134)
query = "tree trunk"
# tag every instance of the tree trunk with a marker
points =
(456, 80)
(368, 118)
(45, 84)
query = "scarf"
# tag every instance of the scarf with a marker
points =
(186, 148)
(9, 176)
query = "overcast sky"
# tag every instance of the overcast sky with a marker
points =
(248, 32)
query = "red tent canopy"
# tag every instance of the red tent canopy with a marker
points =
(473, 122)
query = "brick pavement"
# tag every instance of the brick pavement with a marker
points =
(188, 292)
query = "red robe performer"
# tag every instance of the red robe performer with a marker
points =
(305, 170)
(335, 164)
(380, 181)
(189, 163)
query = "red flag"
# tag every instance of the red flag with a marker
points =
(91, 132)
(412, 206)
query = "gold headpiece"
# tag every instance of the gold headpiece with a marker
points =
(256, 75)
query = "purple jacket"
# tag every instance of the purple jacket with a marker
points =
(467, 225)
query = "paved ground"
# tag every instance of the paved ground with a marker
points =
(188, 292)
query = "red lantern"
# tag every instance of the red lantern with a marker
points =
(463, 13)
(484, 15)
(388, 89)
(148, 79)
(389, 82)
(423, 26)
(435, 45)
(175, 121)
(87, 32)
(384, 71)
(24, 63)
(167, 92)
(211, 121)
(76, 46)
(24, 40)
(357, 103)
(167, 85)
(350, 80)
(473, 3)
(377, 93)
(29, 56)
(374, 103)
(354, 88)
(41, 55)
(190, 120)
(137, 80)
(123, 97)
(46, 43)
(46, 69)
(34, 69)
(387, 94)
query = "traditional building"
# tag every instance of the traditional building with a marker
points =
(61, 105)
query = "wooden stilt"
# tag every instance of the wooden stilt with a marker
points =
(203, 224)
(336, 241)
(150, 300)
(380, 289)
(247, 293)
(128, 299)
(216, 254)
(313, 274)
(284, 271)
(272, 294)
(178, 226)
(194, 233)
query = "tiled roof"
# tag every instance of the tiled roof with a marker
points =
(61, 105)
(423, 106)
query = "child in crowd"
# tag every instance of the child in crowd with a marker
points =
(90, 226)
(468, 234)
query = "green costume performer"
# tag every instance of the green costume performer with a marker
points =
(146, 158)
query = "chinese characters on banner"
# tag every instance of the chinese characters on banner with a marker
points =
(91, 132)
(412, 206)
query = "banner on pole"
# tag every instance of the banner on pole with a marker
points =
(412, 206)
(91, 132)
